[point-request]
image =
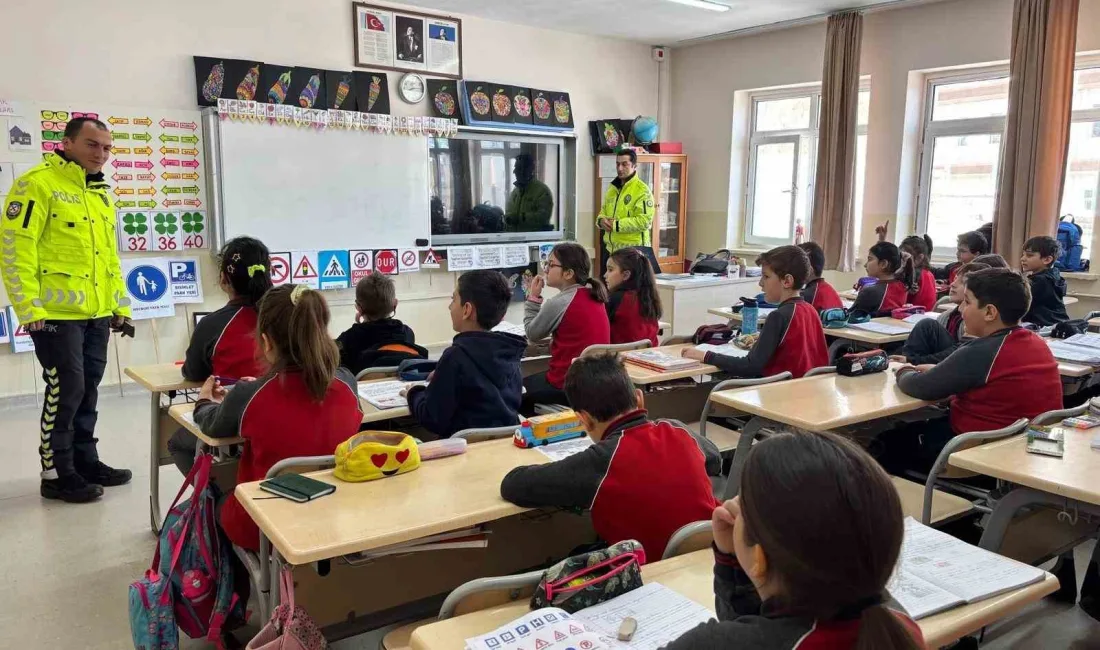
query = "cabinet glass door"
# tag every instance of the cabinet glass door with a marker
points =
(668, 217)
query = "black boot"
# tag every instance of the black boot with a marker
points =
(1066, 572)
(71, 488)
(101, 474)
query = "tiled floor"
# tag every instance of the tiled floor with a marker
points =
(64, 569)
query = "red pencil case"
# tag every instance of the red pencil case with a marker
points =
(901, 313)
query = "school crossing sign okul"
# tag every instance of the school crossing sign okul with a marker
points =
(148, 287)
(334, 269)
(362, 265)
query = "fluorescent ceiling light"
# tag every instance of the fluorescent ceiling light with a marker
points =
(703, 4)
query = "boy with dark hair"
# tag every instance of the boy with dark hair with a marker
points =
(1004, 374)
(791, 338)
(477, 383)
(377, 339)
(970, 246)
(642, 479)
(993, 260)
(1048, 287)
(932, 341)
(820, 294)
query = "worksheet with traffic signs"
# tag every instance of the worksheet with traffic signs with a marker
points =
(156, 170)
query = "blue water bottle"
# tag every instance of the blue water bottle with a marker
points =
(750, 314)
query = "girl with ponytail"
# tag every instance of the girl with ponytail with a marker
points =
(575, 318)
(800, 560)
(897, 278)
(633, 306)
(303, 406)
(920, 249)
(224, 341)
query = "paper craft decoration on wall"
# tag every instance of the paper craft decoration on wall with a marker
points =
(502, 103)
(340, 90)
(479, 99)
(242, 80)
(542, 104)
(209, 79)
(390, 39)
(443, 94)
(563, 110)
(373, 92)
(275, 83)
(307, 88)
(521, 106)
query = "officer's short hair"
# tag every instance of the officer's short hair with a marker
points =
(629, 153)
(72, 129)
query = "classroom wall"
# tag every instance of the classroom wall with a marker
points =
(138, 52)
(706, 77)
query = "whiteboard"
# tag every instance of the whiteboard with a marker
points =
(307, 189)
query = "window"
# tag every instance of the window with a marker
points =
(961, 154)
(782, 158)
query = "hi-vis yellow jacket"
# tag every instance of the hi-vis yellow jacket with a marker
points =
(630, 207)
(58, 255)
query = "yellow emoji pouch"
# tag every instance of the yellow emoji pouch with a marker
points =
(373, 455)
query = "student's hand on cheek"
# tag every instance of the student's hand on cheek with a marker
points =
(535, 290)
(722, 520)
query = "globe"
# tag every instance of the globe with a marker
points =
(645, 130)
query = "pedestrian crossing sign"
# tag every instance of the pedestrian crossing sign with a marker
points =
(335, 269)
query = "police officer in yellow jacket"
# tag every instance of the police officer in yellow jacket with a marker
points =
(626, 217)
(59, 261)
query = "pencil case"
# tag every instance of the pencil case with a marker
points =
(415, 369)
(862, 363)
(591, 578)
(442, 448)
(901, 313)
(371, 455)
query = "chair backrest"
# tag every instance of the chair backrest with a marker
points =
(481, 435)
(1050, 417)
(941, 470)
(301, 465)
(943, 301)
(615, 348)
(486, 592)
(376, 373)
(823, 370)
(695, 536)
(736, 383)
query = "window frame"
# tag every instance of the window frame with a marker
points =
(931, 130)
(757, 138)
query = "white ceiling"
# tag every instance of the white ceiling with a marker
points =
(655, 22)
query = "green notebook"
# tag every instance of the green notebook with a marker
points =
(297, 487)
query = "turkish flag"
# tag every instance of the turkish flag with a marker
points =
(373, 23)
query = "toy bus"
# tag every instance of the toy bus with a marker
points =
(547, 429)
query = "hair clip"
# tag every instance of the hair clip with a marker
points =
(236, 257)
(229, 269)
(256, 268)
(296, 293)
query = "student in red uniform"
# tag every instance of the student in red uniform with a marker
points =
(1005, 374)
(642, 479)
(576, 318)
(224, 341)
(799, 561)
(792, 338)
(920, 249)
(820, 294)
(897, 278)
(304, 405)
(633, 306)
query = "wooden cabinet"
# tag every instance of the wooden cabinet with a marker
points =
(667, 176)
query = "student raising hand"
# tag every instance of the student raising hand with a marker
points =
(883, 230)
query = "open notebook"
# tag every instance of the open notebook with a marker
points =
(384, 395)
(663, 615)
(937, 572)
(659, 361)
(1074, 352)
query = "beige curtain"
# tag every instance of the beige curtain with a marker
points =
(1040, 98)
(834, 187)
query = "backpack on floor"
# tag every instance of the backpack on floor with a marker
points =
(192, 574)
(1069, 238)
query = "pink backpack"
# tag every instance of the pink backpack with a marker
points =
(290, 627)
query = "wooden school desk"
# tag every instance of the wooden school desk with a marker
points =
(1068, 483)
(442, 495)
(692, 575)
(872, 338)
(160, 379)
(822, 403)
(677, 401)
